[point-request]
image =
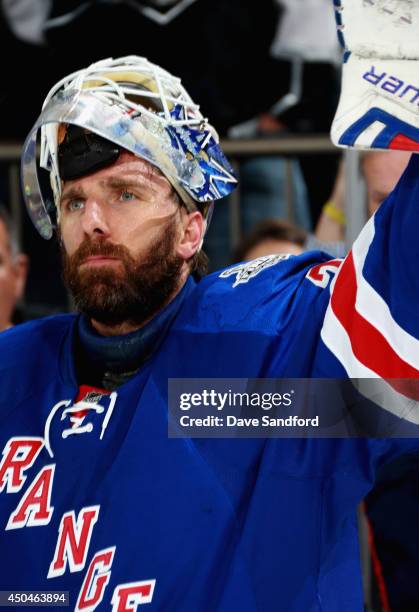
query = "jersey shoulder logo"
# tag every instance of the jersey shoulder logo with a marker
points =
(245, 271)
(321, 274)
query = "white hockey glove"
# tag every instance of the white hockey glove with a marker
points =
(379, 101)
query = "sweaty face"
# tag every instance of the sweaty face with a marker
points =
(119, 228)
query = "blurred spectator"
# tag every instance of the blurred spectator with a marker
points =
(273, 236)
(270, 237)
(269, 186)
(279, 236)
(381, 171)
(13, 271)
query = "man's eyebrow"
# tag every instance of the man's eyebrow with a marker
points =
(71, 193)
(119, 183)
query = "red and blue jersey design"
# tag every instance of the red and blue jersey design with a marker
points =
(98, 501)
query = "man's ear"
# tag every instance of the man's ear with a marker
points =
(193, 228)
(21, 267)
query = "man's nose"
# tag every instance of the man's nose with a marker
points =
(94, 221)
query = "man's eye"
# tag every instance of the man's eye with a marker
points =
(127, 196)
(74, 205)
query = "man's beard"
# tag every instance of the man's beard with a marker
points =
(131, 293)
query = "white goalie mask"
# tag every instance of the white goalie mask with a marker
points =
(139, 107)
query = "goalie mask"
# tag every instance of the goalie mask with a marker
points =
(127, 103)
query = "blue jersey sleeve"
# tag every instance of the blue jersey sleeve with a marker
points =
(372, 321)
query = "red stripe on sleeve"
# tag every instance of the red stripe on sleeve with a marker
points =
(369, 346)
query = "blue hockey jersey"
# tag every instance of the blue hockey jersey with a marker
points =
(95, 499)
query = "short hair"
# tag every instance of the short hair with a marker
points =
(11, 230)
(270, 229)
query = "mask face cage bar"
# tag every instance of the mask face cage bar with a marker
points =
(166, 88)
(110, 98)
